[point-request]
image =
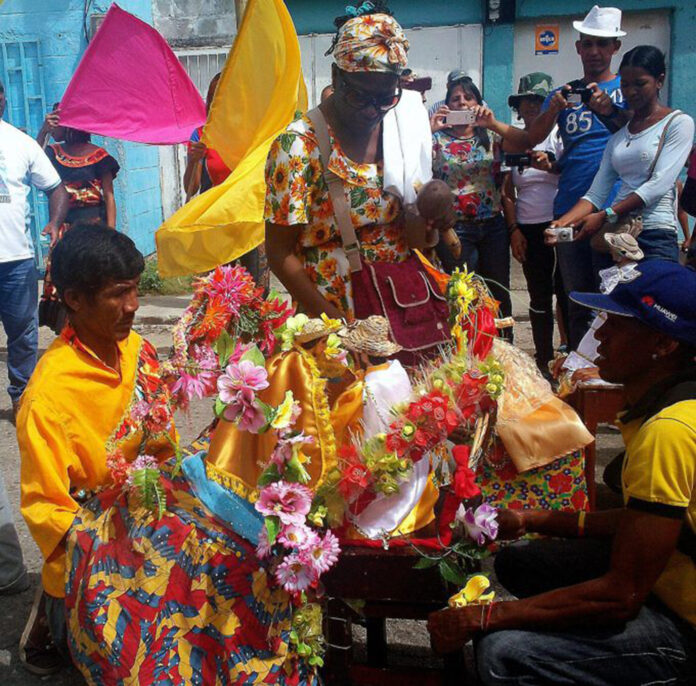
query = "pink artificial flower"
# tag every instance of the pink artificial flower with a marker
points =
(289, 502)
(324, 553)
(139, 410)
(244, 375)
(189, 386)
(141, 462)
(296, 537)
(296, 573)
(481, 523)
(244, 410)
(282, 453)
(263, 548)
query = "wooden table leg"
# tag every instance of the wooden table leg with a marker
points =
(339, 643)
(376, 641)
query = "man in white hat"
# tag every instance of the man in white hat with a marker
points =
(585, 120)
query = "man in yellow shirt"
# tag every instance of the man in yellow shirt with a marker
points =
(619, 605)
(78, 414)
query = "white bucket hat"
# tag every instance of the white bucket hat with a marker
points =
(604, 22)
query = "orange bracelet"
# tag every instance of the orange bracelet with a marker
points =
(581, 523)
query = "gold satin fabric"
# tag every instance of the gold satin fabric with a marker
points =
(237, 458)
(547, 433)
(260, 89)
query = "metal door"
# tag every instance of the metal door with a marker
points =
(642, 28)
(21, 70)
(201, 65)
(434, 52)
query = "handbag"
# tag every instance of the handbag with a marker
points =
(630, 223)
(402, 292)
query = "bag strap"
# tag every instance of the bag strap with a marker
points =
(661, 143)
(341, 208)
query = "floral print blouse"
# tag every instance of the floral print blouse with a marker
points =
(471, 171)
(297, 194)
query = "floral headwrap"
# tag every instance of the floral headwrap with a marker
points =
(373, 42)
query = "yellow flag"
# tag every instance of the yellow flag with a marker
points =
(260, 89)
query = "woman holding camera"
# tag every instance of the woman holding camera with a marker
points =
(468, 158)
(528, 193)
(646, 156)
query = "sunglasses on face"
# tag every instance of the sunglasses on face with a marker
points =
(360, 100)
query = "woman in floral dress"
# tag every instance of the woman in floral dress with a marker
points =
(303, 241)
(467, 158)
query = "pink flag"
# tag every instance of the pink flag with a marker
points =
(130, 85)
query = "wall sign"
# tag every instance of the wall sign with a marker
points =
(546, 39)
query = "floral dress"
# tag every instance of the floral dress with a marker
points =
(471, 171)
(298, 195)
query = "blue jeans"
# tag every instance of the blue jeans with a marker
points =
(655, 647)
(13, 575)
(485, 250)
(580, 265)
(659, 244)
(19, 293)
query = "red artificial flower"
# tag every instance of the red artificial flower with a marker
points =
(157, 418)
(481, 332)
(355, 476)
(464, 478)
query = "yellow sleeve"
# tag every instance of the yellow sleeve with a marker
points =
(661, 463)
(47, 461)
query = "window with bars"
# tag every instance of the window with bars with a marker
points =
(21, 70)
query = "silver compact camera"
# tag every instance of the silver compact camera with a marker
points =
(564, 234)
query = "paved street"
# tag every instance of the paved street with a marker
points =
(408, 638)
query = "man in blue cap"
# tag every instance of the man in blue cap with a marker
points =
(612, 598)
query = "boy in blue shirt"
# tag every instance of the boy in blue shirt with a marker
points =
(585, 128)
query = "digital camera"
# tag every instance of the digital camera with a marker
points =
(564, 234)
(577, 95)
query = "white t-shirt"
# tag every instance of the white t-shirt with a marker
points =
(22, 164)
(536, 189)
(629, 156)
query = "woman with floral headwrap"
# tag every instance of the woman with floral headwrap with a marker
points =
(303, 236)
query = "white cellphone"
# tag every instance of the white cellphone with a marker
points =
(460, 117)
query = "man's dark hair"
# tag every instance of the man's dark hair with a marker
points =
(91, 255)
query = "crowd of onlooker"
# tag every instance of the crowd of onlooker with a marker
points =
(602, 154)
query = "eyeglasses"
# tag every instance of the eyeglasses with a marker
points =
(359, 99)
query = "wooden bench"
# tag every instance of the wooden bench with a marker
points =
(387, 587)
(596, 404)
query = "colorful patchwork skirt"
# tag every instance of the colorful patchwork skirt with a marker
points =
(174, 600)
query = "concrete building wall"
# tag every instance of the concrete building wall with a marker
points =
(58, 25)
(498, 43)
(194, 23)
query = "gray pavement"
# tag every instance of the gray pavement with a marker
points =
(409, 644)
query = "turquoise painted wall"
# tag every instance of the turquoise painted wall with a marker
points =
(58, 24)
(311, 16)
(316, 16)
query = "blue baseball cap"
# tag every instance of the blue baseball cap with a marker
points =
(662, 296)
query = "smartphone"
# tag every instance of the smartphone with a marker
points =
(460, 117)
